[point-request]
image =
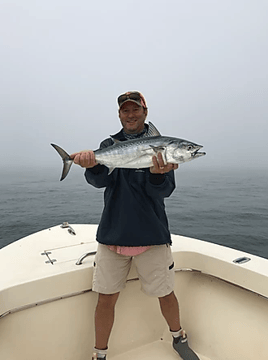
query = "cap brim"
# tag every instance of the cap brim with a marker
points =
(130, 100)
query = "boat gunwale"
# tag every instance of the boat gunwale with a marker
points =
(82, 292)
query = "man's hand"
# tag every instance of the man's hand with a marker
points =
(85, 159)
(159, 166)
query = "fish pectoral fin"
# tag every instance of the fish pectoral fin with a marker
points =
(146, 151)
(158, 149)
(162, 150)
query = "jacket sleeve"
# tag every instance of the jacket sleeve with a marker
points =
(98, 175)
(160, 185)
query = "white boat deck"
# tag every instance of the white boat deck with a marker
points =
(47, 305)
(156, 350)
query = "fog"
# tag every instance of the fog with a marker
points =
(201, 65)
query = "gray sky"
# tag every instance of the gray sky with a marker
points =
(202, 66)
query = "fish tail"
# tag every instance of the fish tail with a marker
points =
(67, 161)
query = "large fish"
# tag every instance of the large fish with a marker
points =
(138, 153)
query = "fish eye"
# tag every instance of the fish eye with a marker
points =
(190, 147)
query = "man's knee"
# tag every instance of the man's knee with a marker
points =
(108, 300)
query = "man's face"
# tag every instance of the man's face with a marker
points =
(132, 117)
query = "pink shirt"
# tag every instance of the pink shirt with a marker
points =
(128, 250)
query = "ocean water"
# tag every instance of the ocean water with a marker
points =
(223, 206)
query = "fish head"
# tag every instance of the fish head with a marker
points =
(185, 151)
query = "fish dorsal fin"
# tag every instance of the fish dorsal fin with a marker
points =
(152, 131)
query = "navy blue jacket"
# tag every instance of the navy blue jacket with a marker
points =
(134, 210)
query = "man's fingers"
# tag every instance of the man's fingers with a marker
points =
(72, 156)
(76, 158)
(160, 161)
(85, 159)
(155, 162)
(159, 167)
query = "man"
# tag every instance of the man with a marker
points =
(133, 226)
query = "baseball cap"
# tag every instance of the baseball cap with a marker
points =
(134, 96)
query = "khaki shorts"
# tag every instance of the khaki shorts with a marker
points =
(155, 268)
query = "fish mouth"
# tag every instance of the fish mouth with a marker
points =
(197, 154)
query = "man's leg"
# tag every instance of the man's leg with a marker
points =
(170, 309)
(104, 319)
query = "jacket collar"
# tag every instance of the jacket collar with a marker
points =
(120, 135)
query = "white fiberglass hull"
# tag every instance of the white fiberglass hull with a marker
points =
(47, 306)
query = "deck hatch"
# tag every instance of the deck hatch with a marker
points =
(69, 253)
